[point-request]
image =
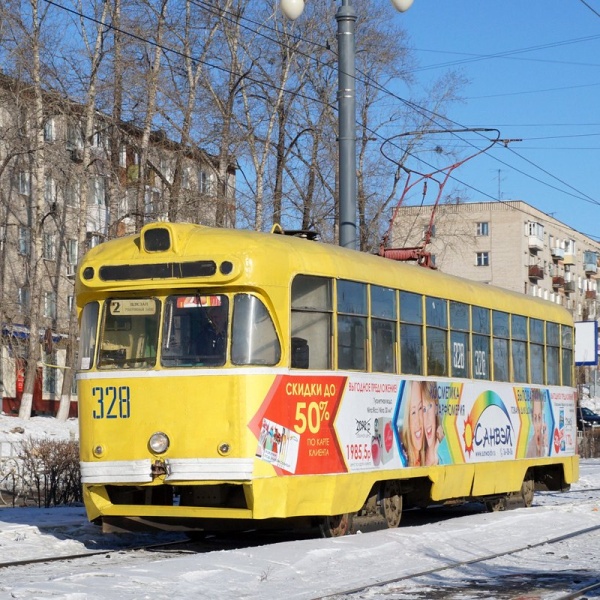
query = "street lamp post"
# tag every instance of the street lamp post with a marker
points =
(346, 20)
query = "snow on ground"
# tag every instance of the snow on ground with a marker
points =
(14, 430)
(303, 569)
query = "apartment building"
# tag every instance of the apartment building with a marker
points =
(117, 202)
(510, 244)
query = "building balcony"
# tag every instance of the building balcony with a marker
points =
(569, 287)
(569, 259)
(536, 243)
(536, 272)
(558, 282)
(590, 268)
(557, 253)
(590, 294)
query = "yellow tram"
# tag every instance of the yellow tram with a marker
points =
(232, 379)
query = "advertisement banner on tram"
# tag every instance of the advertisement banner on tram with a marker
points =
(358, 423)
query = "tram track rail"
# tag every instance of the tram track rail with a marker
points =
(91, 554)
(184, 546)
(573, 595)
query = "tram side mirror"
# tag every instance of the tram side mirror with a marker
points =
(299, 353)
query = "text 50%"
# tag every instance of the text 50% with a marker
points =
(310, 415)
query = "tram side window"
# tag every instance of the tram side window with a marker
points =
(519, 347)
(383, 328)
(254, 338)
(437, 336)
(481, 342)
(567, 354)
(87, 339)
(552, 353)
(411, 333)
(459, 339)
(312, 309)
(195, 331)
(500, 332)
(129, 333)
(536, 338)
(352, 325)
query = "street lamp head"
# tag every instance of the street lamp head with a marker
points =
(401, 5)
(292, 9)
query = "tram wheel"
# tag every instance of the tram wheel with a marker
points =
(497, 504)
(391, 505)
(527, 491)
(336, 525)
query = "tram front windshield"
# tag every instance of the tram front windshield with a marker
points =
(195, 331)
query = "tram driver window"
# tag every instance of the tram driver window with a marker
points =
(129, 333)
(254, 338)
(87, 339)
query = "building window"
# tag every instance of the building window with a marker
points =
(535, 229)
(96, 195)
(49, 195)
(74, 137)
(72, 194)
(70, 302)
(50, 305)
(49, 248)
(24, 241)
(72, 251)
(482, 259)
(185, 178)
(23, 298)
(151, 202)
(570, 247)
(203, 182)
(93, 239)
(24, 183)
(50, 375)
(49, 131)
(98, 139)
(483, 228)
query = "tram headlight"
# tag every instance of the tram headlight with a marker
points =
(159, 442)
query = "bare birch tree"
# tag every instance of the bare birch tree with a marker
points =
(32, 35)
(95, 52)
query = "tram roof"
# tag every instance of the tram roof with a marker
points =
(267, 259)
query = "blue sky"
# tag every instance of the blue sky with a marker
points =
(544, 90)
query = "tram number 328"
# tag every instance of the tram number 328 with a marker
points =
(458, 359)
(112, 402)
(458, 355)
